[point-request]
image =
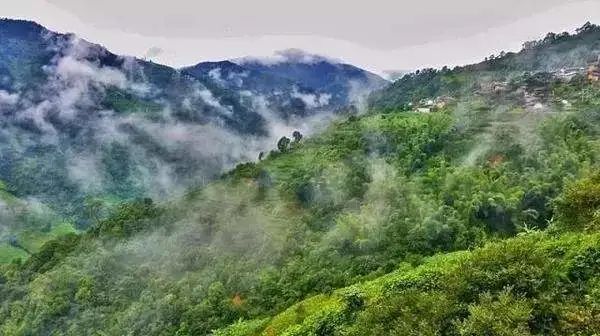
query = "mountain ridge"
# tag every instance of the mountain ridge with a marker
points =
(81, 124)
(464, 202)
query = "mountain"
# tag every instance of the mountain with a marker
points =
(81, 125)
(274, 93)
(465, 206)
(562, 55)
(308, 81)
(341, 81)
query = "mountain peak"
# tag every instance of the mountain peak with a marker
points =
(292, 55)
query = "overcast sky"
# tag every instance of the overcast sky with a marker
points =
(378, 35)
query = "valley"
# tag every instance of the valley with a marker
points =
(452, 201)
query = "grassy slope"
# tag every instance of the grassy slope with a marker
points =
(31, 240)
(9, 253)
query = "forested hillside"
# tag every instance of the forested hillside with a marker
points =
(465, 211)
(83, 129)
(561, 55)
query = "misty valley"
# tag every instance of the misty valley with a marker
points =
(297, 194)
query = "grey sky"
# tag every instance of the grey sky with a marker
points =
(377, 34)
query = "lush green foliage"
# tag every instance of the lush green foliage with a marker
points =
(478, 218)
(79, 123)
(534, 284)
(371, 195)
(551, 54)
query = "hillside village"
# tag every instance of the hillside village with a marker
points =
(532, 95)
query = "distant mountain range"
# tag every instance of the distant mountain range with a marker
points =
(79, 122)
(313, 81)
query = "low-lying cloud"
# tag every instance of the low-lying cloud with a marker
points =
(165, 154)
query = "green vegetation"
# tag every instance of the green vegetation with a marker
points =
(534, 284)
(25, 225)
(124, 102)
(9, 253)
(551, 54)
(365, 204)
(479, 217)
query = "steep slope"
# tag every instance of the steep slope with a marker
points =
(563, 55)
(343, 82)
(358, 230)
(235, 76)
(80, 125)
(79, 121)
(368, 196)
(535, 284)
(290, 99)
(32, 55)
(293, 80)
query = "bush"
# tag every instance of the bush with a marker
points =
(578, 208)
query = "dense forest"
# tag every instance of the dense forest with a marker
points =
(463, 202)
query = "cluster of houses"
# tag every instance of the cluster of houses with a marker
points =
(431, 104)
(592, 72)
(568, 73)
(531, 99)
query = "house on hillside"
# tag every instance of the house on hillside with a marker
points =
(424, 105)
(593, 72)
(499, 87)
(568, 74)
(492, 87)
(442, 101)
(432, 105)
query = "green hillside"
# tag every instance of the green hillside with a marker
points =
(535, 284)
(372, 195)
(472, 211)
(79, 124)
(556, 54)
(25, 225)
